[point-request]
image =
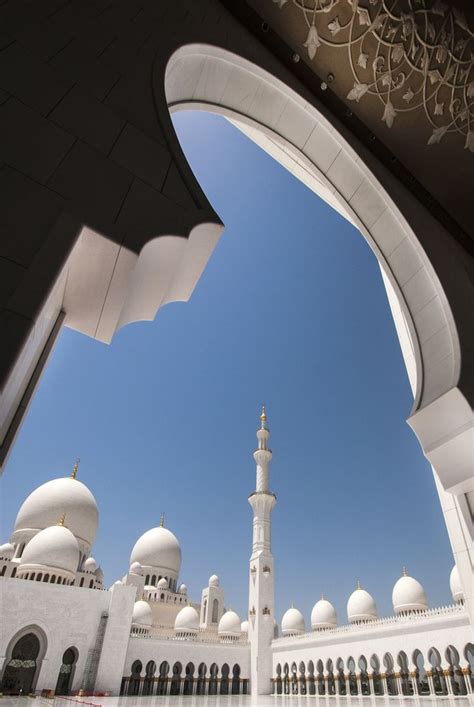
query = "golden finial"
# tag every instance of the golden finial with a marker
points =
(74, 469)
(162, 520)
(322, 595)
(405, 573)
(359, 585)
(263, 417)
(62, 520)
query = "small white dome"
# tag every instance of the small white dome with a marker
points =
(213, 580)
(6, 551)
(158, 548)
(292, 622)
(162, 584)
(135, 568)
(361, 606)
(244, 627)
(142, 614)
(323, 615)
(229, 625)
(90, 565)
(187, 620)
(54, 547)
(455, 585)
(183, 589)
(44, 505)
(408, 595)
(149, 588)
(99, 573)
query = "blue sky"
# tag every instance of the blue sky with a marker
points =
(291, 311)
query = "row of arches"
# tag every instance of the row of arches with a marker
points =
(153, 579)
(23, 664)
(402, 677)
(176, 681)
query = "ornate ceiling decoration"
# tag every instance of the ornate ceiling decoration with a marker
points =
(410, 56)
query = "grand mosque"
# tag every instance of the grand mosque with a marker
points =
(63, 632)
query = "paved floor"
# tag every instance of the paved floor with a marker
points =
(239, 701)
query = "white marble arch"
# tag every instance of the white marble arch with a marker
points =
(296, 134)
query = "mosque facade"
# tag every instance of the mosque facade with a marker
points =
(63, 632)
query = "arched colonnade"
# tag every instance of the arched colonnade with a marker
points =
(184, 679)
(435, 674)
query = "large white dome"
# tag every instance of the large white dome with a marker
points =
(54, 547)
(292, 622)
(229, 625)
(158, 548)
(361, 606)
(323, 615)
(48, 502)
(455, 585)
(187, 620)
(142, 614)
(408, 595)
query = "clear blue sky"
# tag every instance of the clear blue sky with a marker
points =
(290, 310)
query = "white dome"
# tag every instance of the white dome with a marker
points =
(408, 595)
(49, 501)
(244, 627)
(135, 568)
(323, 615)
(142, 614)
(229, 624)
(162, 584)
(361, 606)
(99, 573)
(158, 548)
(187, 619)
(149, 588)
(213, 580)
(455, 585)
(183, 589)
(54, 547)
(90, 565)
(292, 622)
(6, 551)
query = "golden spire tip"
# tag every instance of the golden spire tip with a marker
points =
(405, 573)
(359, 585)
(62, 520)
(263, 416)
(74, 469)
(322, 595)
(162, 520)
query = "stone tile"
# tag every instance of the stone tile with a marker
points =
(14, 330)
(35, 146)
(43, 39)
(176, 190)
(368, 203)
(212, 81)
(76, 63)
(429, 320)
(28, 212)
(96, 186)
(268, 104)
(89, 119)
(405, 261)
(387, 232)
(321, 148)
(240, 90)
(141, 155)
(11, 275)
(132, 99)
(419, 290)
(345, 175)
(30, 80)
(295, 124)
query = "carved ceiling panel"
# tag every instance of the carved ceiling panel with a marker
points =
(405, 68)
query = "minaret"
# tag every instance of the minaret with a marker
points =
(261, 600)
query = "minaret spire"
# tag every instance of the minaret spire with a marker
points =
(261, 581)
(74, 469)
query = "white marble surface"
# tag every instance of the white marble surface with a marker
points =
(243, 701)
